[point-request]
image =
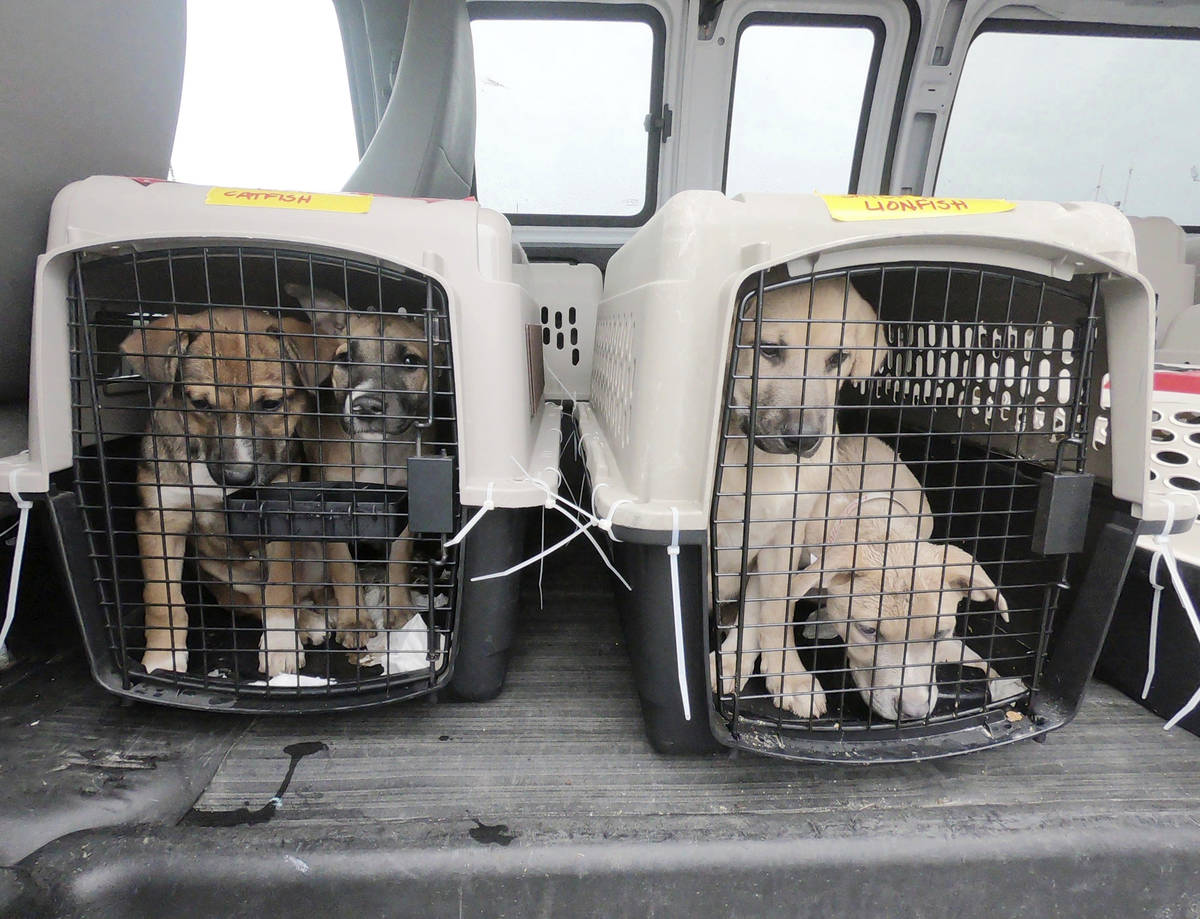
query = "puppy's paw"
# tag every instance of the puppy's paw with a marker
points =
(1006, 688)
(165, 660)
(280, 652)
(313, 627)
(727, 682)
(801, 694)
(355, 637)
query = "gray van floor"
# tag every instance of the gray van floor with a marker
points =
(552, 791)
(561, 755)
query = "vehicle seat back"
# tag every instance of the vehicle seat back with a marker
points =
(424, 145)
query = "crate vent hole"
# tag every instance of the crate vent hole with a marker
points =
(1187, 483)
(1188, 418)
(1171, 457)
(1162, 436)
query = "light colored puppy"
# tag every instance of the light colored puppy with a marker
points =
(892, 594)
(777, 463)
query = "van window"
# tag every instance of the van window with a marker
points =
(1071, 117)
(799, 101)
(561, 113)
(266, 99)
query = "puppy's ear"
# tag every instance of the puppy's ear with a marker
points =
(963, 575)
(302, 350)
(153, 350)
(329, 316)
(326, 309)
(870, 349)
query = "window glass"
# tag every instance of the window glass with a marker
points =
(266, 99)
(1078, 118)
(561, 109)
(797, 104)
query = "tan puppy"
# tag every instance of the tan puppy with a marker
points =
(813, 338)
(892, 595)
(236, 394)
(380, 382)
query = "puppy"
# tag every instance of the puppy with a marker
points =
(235, 394)
(813, 338)
(380, 383)
(892, 595)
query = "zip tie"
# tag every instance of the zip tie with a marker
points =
(1160, 539)
(677, 607)
(582, 525)
(1158, 591)
(581, 442)
(488, 505)
(607, 523)
(557, 379)
(15, 578)
(1164, 552)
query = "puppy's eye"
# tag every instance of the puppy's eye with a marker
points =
(867, 630)
(200, 404)
(269, 405)
(773, 352)
(836, 360)
(411, 359)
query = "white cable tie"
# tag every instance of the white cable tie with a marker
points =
(1154, 605)
(1167, 553)
(563, 386)
(677, 608)
(581, 442)
(488, 505)
(14, 582)
(563, 506)
(607, 523)
(1160, 540)
(529, 561)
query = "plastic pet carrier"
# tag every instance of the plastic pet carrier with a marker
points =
(265, 418)
(856, 536)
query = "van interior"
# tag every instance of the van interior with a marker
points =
(578, 120)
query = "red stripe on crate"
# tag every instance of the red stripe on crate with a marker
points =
(1187, 381)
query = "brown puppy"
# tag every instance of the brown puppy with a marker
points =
(813, 338)
(380, 382)
(236, 395)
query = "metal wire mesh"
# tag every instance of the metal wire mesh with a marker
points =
(246, 421)
(885, 432)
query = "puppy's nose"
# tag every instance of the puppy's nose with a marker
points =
(366, 405)
(807, 444)
(232, 475)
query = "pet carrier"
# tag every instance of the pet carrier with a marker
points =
(266, 417)
(855, 534)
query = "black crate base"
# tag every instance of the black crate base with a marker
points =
(477, 667)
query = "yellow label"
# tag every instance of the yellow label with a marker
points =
(897, 207)
(289, 200)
